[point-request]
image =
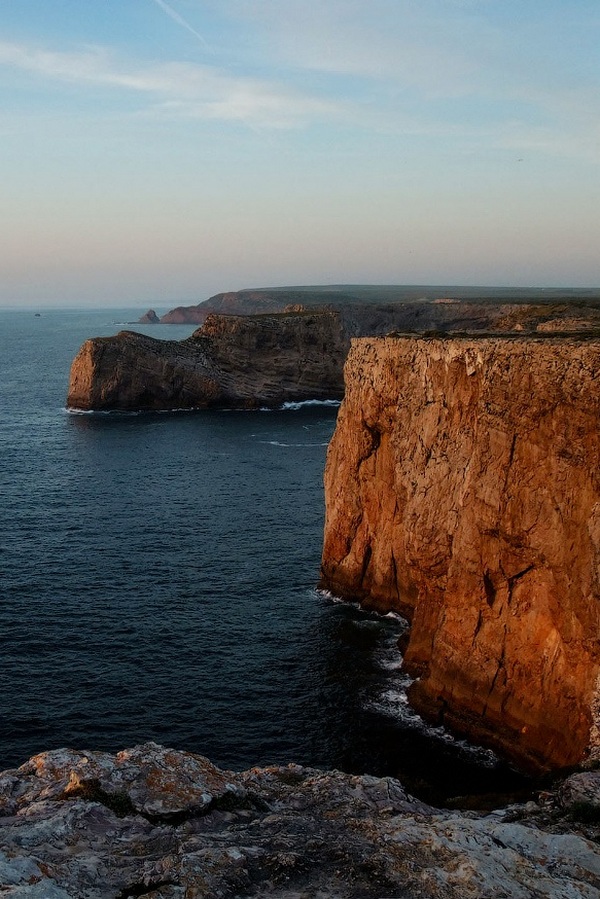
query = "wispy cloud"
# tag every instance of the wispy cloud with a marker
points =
(176, 88)
(445, 67)
(173, 14)
(447, 70)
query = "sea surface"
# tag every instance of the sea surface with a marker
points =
(158, 580)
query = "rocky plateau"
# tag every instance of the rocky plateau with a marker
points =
(276, 299)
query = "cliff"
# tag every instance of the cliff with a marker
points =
(232, 361)
(463, 490)
(156, 822)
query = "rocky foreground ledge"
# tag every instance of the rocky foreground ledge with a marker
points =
(164, 824)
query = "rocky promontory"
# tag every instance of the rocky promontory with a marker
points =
(166, 824)
(232, 361)
(463, 490)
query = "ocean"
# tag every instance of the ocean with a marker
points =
(158, 580)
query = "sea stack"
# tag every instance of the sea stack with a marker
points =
(149, 318)
(463, 490)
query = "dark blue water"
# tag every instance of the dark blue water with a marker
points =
(158, 580)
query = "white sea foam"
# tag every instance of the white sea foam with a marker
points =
(279, 443)
(392, 701)
(302, 404)
(396, 616)
(285, 407)
(69, 410)
(392, 698)
(131, 412)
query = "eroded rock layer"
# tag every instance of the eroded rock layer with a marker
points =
(463, 490)
(156, 822)
(231, 361)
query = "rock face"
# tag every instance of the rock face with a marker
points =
(156, 822)
(232, 361)
(241, 302)
(463, 490)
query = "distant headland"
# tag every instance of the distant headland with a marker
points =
(251, 301)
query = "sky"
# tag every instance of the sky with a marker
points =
(156, 153)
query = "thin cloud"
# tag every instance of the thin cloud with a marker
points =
(173, 14)
(185, 89)
(440, 64)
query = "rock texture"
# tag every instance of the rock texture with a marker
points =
(155, 822)
(232, 361)
(463, 489)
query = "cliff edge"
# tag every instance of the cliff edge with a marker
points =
(296, 353)
(463, 490)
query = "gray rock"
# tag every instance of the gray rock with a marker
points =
(165, 824)
(149, 318)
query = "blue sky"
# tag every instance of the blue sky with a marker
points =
(158, 152)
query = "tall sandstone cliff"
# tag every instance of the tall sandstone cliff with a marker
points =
(463, 490)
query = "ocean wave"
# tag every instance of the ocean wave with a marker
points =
(285, 407)
(331, 597)
(392, 701)
(69, 410)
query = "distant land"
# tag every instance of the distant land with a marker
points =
(252, 301)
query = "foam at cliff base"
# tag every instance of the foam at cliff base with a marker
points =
(392, 699)
(303, 403)
(291, 445)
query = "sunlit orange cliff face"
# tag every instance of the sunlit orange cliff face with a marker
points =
(463, 490)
